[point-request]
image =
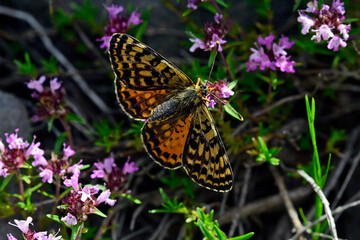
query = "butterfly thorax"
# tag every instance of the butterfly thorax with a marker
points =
(184, 102)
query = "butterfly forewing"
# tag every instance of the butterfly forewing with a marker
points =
(204, 156)
(140, 67)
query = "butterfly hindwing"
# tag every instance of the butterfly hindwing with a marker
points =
(204, 157)
(165, 140)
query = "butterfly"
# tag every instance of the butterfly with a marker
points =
(179, 129)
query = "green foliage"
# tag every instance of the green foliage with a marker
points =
(51, 66)
(176, 182)
(87, 12)
(27, 67)
(209, 227)
(319, 175)
(108, 136)
(336, 135)
(263, 153)
(170, 206)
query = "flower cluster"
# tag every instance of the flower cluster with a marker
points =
(192, 4)
(214, 34)
(82, 200)
(58, 166)
(113, 176)
(118, 24)
(327, 23)
(31, 235)
(218, 91)
(271, 55)
(51, 99)
(17, 153)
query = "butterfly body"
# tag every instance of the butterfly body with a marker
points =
(178, 130)
(183, 103)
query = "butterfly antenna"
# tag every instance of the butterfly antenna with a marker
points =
(213, 63)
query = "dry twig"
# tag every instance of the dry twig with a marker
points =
(289, 205)
(324, 201)
(57, 54)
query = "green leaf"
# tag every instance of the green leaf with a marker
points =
(243, 237)
(59, 142)
(50, 66)
(6, 181)
(232, 112)
(131, 198)
(50, 123)
(233, 84)
(222, 3)
(205, 231)
(75, 231)
(46, 194)
(208, 7)
(296, 5)
(99, 213)
(29, 191)
(26, 179)
(75, 118)
(212, 58)
(186, 12)
(26, 67)
(220, 234)
(55, 218)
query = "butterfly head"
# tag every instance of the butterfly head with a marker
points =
(202, 88)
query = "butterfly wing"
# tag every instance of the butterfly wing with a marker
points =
(165, 140)
(143, 78)
(204, 157)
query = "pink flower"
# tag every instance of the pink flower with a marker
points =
(311, 7)
(54, 85)
(68, 152)
(104, 197)
(306, 23)
(285, 65)
(273, 56)
(335, 42)
(47, 175)
(37, 84)
(10, 237)
(105, 41)
(344, 30)
(3, 170)
(267, 41)
(198, 43)
(22, 224)
(134, 18)
(338, 6)
(214, 34)
(326, 23)
(118, 24)
(216, 41)
(69, 219)
(114, 10)
(325, 32)
(73, 182)
(218, 17)
(191, 4)
(129, 167)
(219, 90)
